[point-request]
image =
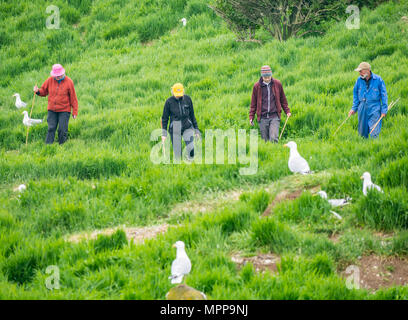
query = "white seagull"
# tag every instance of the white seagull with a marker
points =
(334, 202)
(296, 163)
(184, 20)
(30, 122)
(181, 266)
(367, 184)
(19, 103)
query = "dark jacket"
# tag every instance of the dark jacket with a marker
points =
(178, 110)
(256, 101)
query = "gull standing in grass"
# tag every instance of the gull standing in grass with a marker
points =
(367, 184)
(181, 266)
(334, 202)
(19, 104)
(184, 20)
(296, 163)
(30, 122)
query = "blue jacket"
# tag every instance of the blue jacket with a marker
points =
(376, 96)
(370, 103)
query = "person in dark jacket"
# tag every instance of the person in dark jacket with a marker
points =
(268, 99)
(179, 108)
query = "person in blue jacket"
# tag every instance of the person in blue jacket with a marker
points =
(370, 101)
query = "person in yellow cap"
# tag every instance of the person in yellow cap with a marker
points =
(370, 100)
(179, 108)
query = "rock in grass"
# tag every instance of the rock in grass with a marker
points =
(184, 292)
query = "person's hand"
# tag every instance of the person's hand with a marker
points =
(383, 115)
(198, 134)
(35, 89)
(74, 117)
(164, 138)
(251, 121)
(289, 114)
(351, 112)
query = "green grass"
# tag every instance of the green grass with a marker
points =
(123, 57)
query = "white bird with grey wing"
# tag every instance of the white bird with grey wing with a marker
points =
(368, 184)
(28, 122)
(181, 266)
(334, 202)
(19, 104)
(296, 163)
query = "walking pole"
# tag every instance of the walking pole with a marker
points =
(389, 108)
(32, 107)
(287, 118)
(164, 150)
(341, 125)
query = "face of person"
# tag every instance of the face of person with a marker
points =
(267, 79)
(365, 74)
(60, 77)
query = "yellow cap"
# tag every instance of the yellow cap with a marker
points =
(363, 66)
(178, 90)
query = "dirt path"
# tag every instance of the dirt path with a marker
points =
(137, 235)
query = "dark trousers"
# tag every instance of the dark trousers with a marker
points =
(61, 120)
(188, 136)
(270, 128)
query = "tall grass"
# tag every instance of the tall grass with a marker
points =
(123, 57)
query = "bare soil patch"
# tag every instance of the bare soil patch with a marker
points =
(381, 272)
(136, 234)
(261, 262)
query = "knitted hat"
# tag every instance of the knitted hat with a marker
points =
(266, 71)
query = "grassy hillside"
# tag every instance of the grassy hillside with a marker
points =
(123, 57)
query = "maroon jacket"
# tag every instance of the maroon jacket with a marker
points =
(256, 101)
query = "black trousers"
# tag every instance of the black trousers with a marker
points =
(61, 120)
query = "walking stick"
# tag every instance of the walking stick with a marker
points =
(31, 112)
(287, 118)
(164, 150)
(341, 125)
(389, 108)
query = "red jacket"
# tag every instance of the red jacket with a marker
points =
(61, 96)
(256, 101)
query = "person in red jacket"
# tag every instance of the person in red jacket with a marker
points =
(61, 100)
(268, 100)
